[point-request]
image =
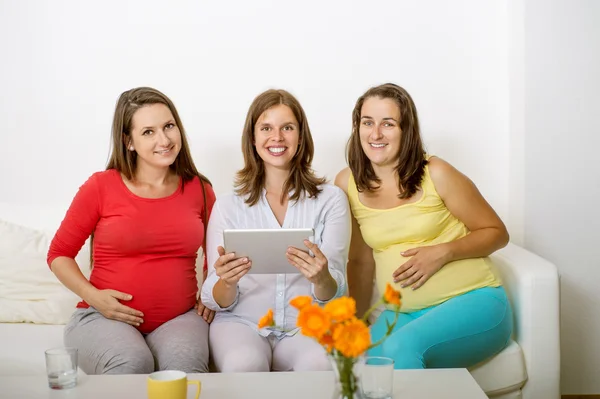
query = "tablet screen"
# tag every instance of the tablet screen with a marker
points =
(266, 248)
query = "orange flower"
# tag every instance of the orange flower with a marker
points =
(266, 320)
(352, 338)
(300, 302)
(313, 321)
(391, 296)
(341, 309)
(327, 342)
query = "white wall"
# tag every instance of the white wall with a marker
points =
(65, 63)
(506, 91)
(516, 125)
(562, 176)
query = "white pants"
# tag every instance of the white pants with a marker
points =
(236, 347)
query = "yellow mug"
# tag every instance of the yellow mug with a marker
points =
(170, 384)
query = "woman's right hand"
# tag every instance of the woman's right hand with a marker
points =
(107, 303)
(231, 269)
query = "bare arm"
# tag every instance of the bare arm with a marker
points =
(230, 270)
(326, 289)
(487, 233)
(224, 294)
(67, 271)
(361, 271)
(462, 198)
(80, 221)
(219, 291)
(105, 301)
(361, 265)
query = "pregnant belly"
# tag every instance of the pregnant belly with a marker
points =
(161, 292)
(455, 278)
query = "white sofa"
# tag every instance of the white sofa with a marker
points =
(29, 290)
(528, 368)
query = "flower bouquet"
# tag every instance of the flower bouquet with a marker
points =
(344, 336)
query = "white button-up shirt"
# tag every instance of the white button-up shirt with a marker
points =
(328, 215)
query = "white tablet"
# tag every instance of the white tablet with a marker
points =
(266, 248)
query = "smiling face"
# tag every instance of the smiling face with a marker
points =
(276, 137)
(379, 131)
(154, 136)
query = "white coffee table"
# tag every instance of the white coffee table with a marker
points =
(408, 384)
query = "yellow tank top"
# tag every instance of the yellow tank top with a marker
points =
(425, 222)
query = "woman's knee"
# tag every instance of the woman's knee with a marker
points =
(181, 344)
(107, 346)
(313, 362)
(243, 360)
(130, 361)
(192, 359)
(405, 351)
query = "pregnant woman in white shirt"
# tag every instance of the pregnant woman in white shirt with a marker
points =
(276, 189)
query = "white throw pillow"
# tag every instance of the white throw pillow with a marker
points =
(29, 291)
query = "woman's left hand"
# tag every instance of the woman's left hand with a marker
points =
(207, 314)
(315, 269)
(425, 262)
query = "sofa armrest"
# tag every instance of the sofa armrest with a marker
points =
(532, 285)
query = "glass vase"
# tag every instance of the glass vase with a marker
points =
(346, 380)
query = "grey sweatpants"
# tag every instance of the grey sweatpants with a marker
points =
(112, 347)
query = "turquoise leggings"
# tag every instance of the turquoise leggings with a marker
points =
(460, 332)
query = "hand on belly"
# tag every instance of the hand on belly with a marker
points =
(424, 262)
(110, 303)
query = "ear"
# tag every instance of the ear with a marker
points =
(128, 143)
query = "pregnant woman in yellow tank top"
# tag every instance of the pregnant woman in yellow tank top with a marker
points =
(422, 226)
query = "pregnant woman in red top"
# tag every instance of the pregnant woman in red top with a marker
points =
(147, 213)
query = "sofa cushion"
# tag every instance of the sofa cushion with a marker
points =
(504, 372)
(29, 291)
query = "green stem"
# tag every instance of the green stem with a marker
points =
(346, 375)
(371, 309)
(390, 327)
(388, 332)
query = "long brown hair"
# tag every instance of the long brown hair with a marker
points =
(250, 180)
(411, 157)
(125, 161)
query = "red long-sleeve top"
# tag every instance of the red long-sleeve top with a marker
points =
(143, 247)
